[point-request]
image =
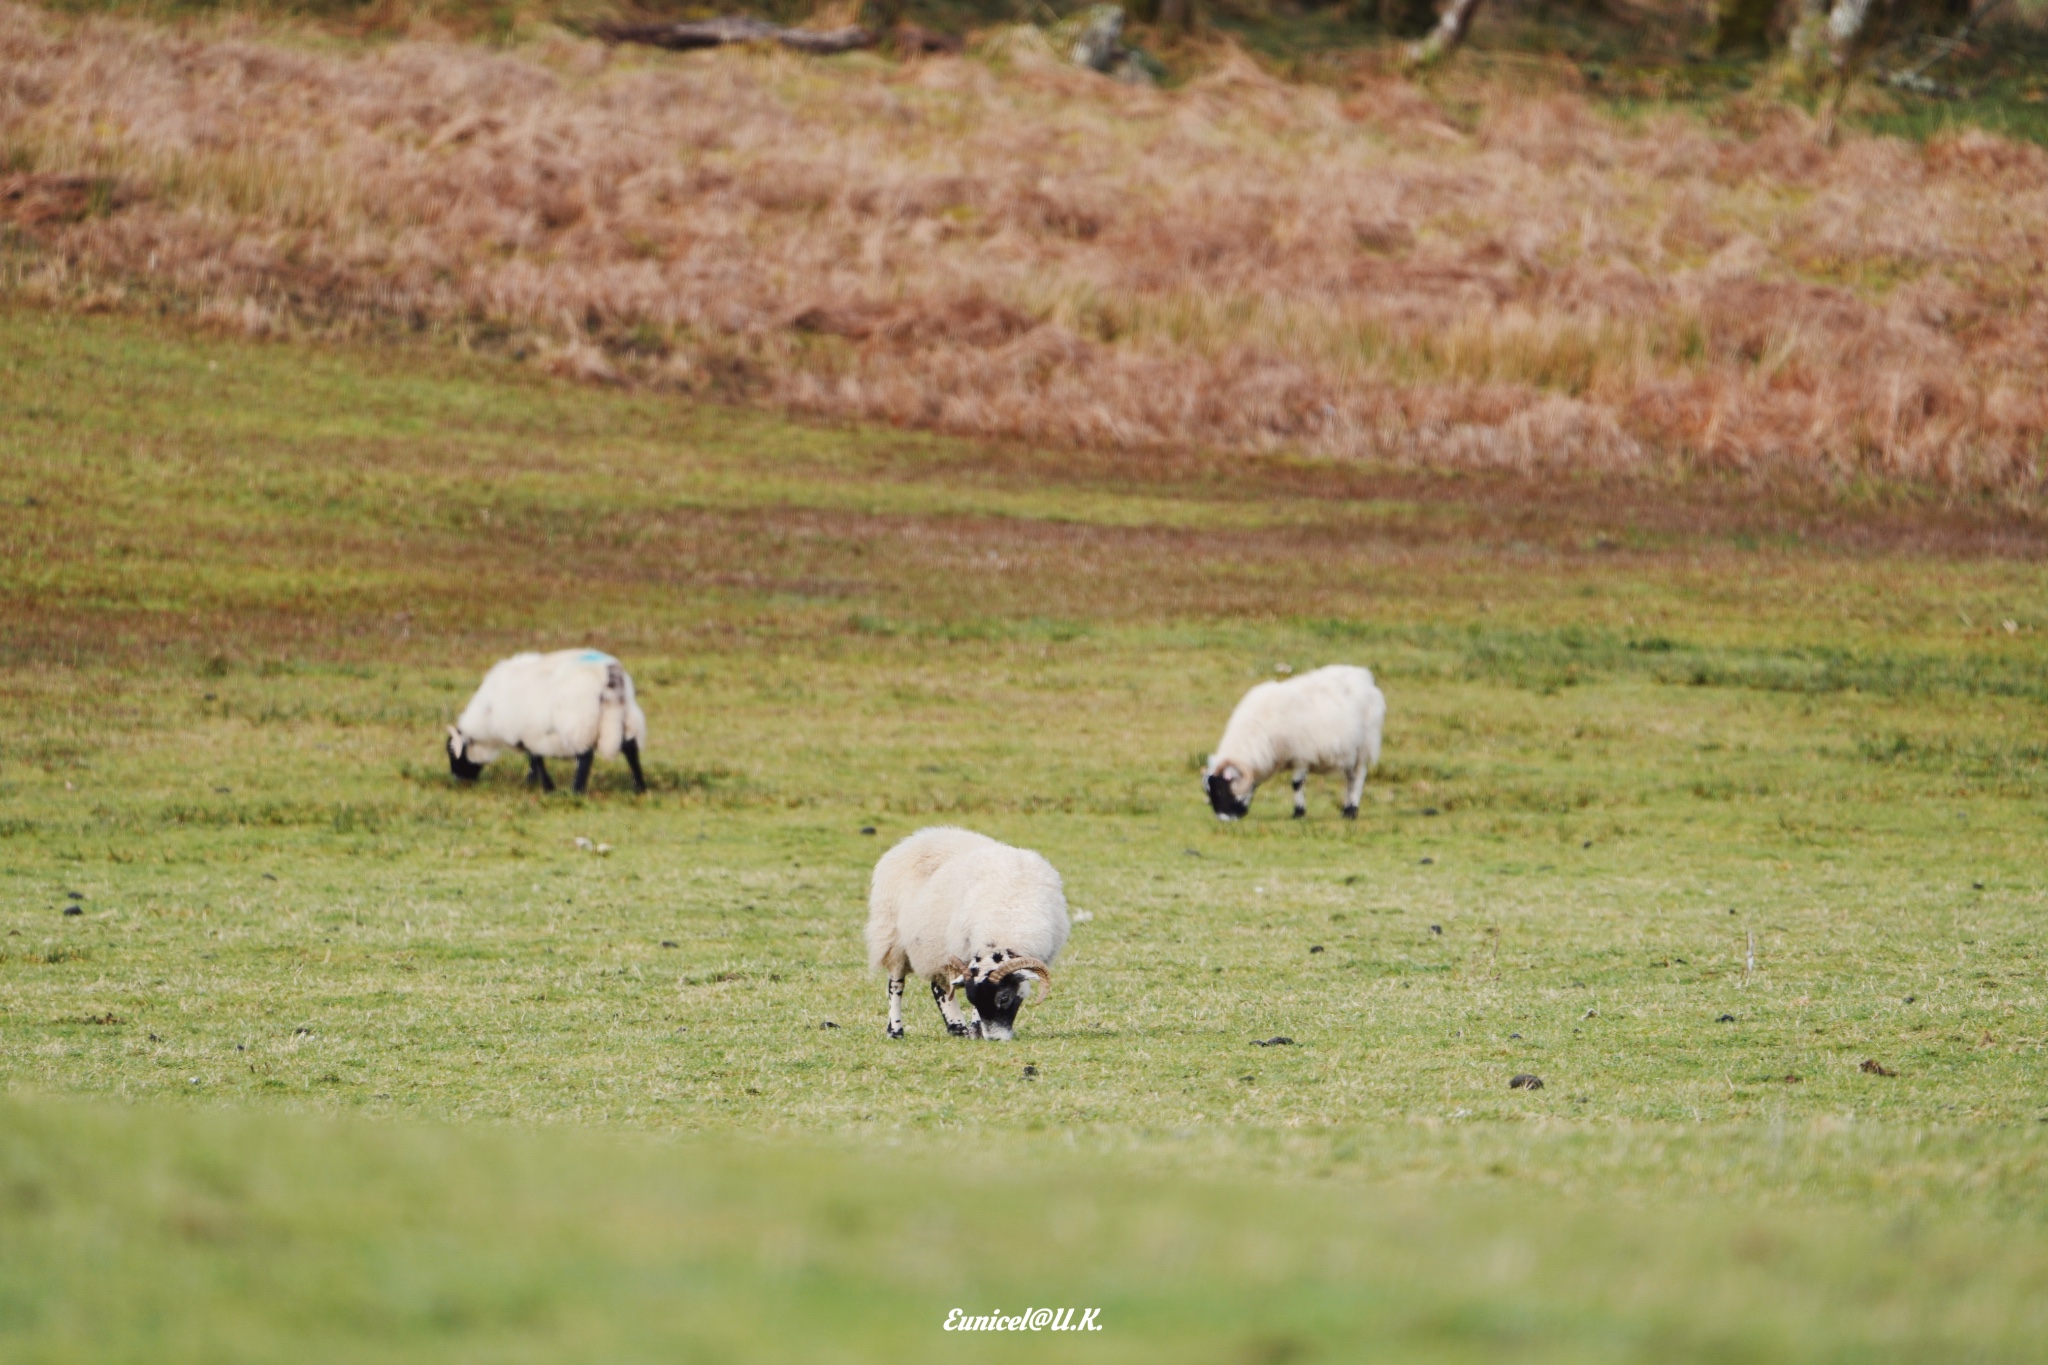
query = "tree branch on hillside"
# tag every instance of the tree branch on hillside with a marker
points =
(739, 29)
(1850, 31)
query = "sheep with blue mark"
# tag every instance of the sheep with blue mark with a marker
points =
(963, 910)
(1328, 720)
(573, 703)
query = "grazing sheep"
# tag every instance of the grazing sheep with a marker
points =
(1325, 721)
(571, 703)
(958, 908)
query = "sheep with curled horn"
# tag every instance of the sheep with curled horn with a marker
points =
(573, 703)
(962, 910)
(1328, 720)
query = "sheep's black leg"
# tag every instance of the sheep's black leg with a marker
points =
(895, 1007)
(631, 749)
(537, 771)
(1354, 791)
(583, 771)
(956, 1022)
(1300, 800)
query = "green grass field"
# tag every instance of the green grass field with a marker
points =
(1696, 799)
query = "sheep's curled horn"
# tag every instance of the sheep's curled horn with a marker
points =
(1025, 964)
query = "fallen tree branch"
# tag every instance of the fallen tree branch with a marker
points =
(739, 29)
(1917, 84)
(1915, 77)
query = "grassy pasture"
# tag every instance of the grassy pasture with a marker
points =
(281, 1084)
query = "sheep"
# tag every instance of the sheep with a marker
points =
(959, 908)
(571, 703)
(1325, 721)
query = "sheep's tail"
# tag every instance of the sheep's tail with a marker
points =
(611, 711)
(1026, 964)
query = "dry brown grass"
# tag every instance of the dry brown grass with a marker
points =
(1000, 246)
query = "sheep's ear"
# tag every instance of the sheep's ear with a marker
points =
(1230, 772)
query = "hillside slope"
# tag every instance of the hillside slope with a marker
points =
(1482, 273)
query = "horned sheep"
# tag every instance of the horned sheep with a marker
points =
(573, 703)
(1328, 720)
(961, 909)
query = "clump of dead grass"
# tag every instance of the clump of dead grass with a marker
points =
(1002, 246)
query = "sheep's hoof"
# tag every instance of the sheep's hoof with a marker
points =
(895, 1030)
(1301, 815)
(1351, 812)
(960, 1030)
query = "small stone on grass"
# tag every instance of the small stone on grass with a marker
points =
(1526, 1081)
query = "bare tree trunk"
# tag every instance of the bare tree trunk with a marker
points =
(1849, 28)
(1449, 33)
(1853, 28)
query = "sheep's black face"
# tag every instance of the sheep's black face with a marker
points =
(996, 1004)
(1224, 801)
(463, 769)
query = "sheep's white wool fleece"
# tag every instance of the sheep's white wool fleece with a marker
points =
(554, 705)
(945, 894)
(1328, 719)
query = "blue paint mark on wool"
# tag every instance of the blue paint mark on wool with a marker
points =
(596, 656)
